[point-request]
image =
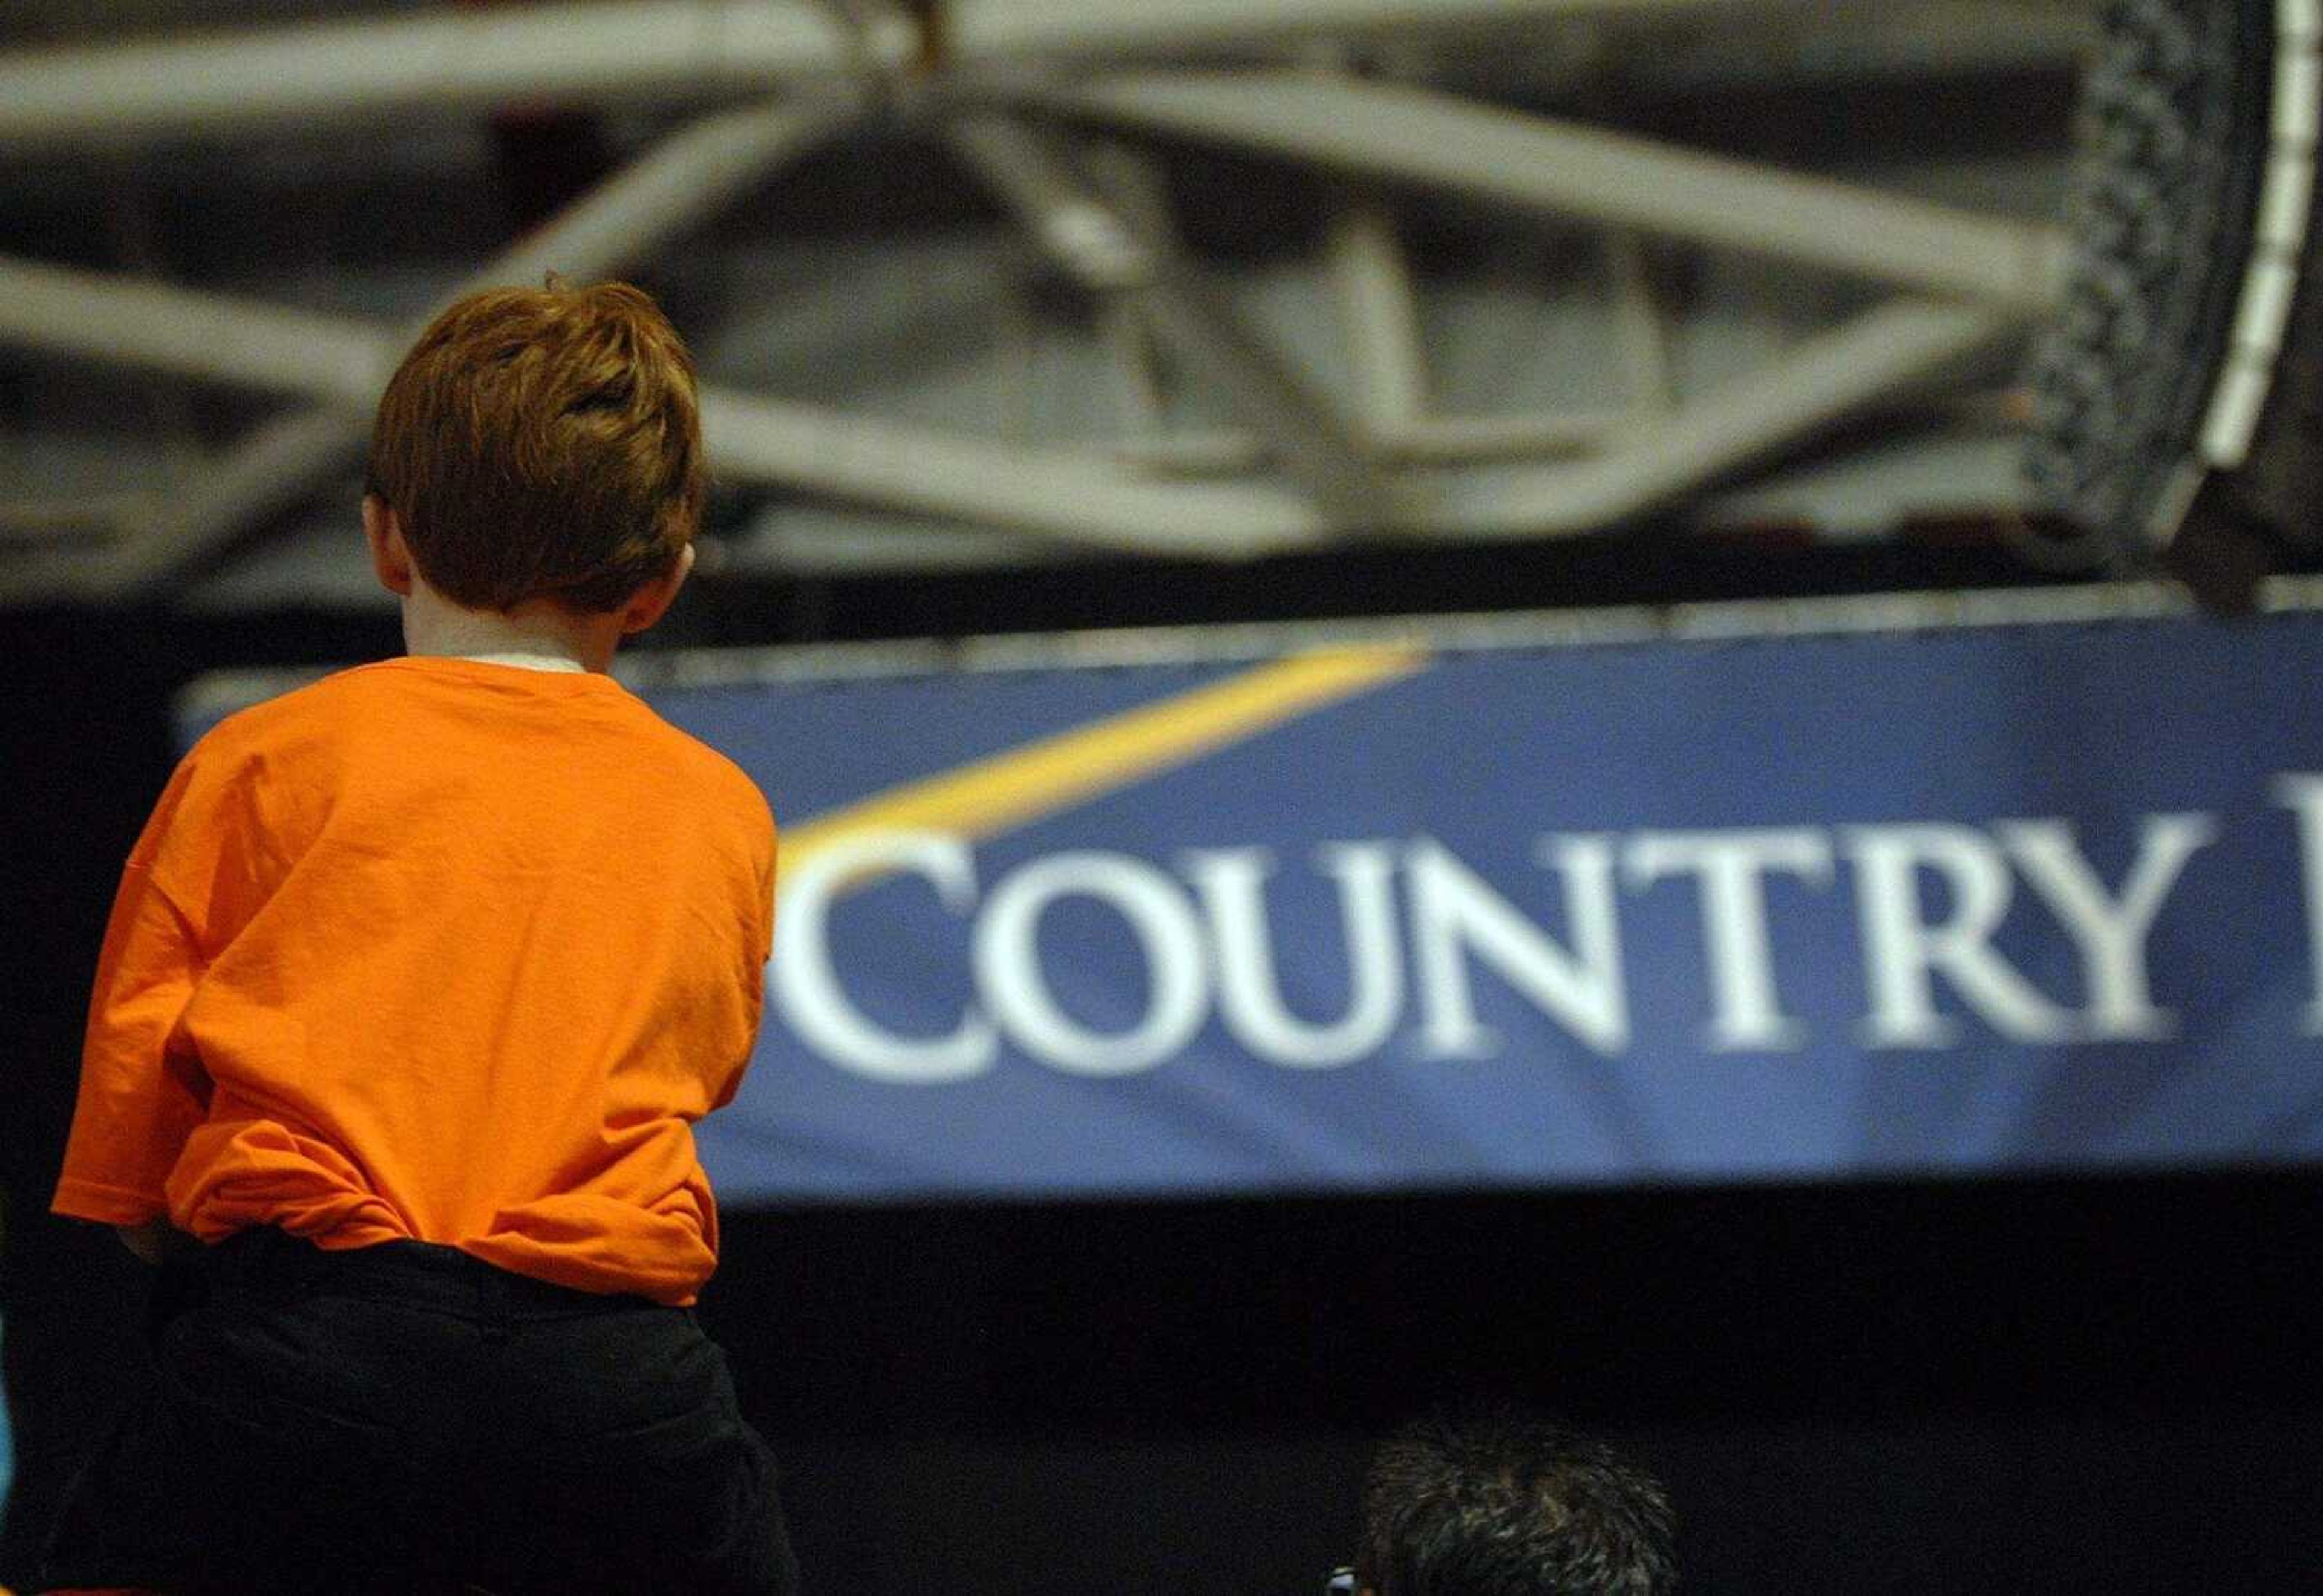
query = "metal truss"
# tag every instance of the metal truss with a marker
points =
(1035, 98)
(682, 51)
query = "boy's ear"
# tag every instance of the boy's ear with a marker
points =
(650, 602)
(390, 557)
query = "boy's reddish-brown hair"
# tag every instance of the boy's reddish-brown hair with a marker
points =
(543, 442)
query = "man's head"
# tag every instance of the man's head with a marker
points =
(1507, 1504)
(543, 443)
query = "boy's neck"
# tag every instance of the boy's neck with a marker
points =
(541, 636)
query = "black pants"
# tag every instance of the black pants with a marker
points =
(405, 1418)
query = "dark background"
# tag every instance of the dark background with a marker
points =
(2055, 1385)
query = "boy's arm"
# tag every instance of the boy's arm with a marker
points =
(140, 1097)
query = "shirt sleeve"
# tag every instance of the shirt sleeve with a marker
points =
(140, 1094)
(770, 881)
(761, 929)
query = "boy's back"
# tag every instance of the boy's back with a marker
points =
(449, 951)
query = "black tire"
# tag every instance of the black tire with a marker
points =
(2174, 134)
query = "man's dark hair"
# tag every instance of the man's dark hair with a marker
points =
(1502, 1503)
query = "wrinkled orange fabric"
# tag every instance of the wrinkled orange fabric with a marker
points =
(439, 949)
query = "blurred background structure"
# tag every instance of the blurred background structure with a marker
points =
(1004, 286)
(1022, 315)
(1012, 285)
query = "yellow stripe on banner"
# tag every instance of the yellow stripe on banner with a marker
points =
(1026, 783)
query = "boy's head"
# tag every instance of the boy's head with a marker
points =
(543, 443)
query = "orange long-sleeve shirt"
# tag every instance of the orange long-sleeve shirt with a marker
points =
(439, 949)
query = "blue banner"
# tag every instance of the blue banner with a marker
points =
(2017, 898)
(1399, 915)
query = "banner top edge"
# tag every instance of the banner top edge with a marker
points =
(1738, 620)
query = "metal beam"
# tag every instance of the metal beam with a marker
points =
(445, 59)
(336, 360)
(1072, 497)
(1008, 32)
(1063, 495)
(1928, 39)
(1379, 308)
(1568, 169)
(267, 473)
(1424, 441)
(153, 327)
(1110, 500)
(248, 342)
(1638, 324)
(1135, 367)
(682, 51)
(1085, 234)
(678, 184)
(1886, 354)
(1112, 248)
(32, 523)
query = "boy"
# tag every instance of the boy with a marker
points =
(417, 980)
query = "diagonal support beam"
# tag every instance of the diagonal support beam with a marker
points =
(155, 326)
(683, 182)
(1071, 497)
(1568, 169)
(1064, 496)
(1115, 252)
(1884, 355)
(677, 185)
